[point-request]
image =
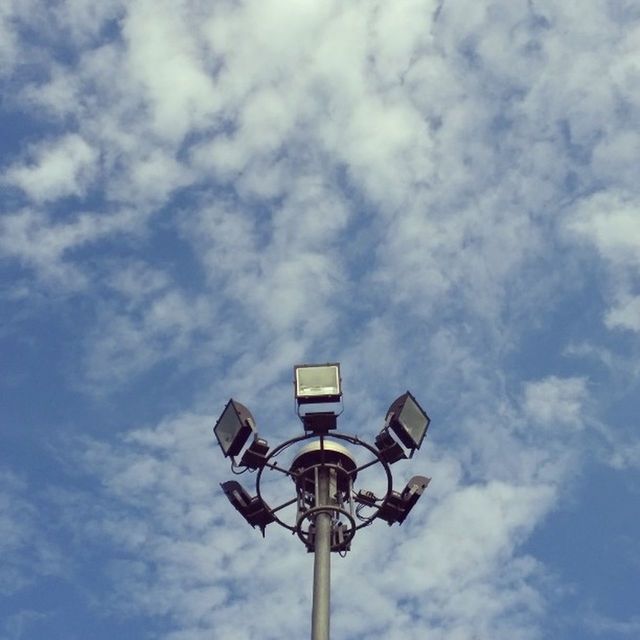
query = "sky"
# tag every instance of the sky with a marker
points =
(442, 196)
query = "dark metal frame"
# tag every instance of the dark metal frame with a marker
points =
(326, 523)
(331, 509)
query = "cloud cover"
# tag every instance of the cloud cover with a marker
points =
(440, 195)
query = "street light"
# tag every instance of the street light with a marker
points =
(329, 509)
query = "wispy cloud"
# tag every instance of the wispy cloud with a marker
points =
(440, 195)
(27, 555)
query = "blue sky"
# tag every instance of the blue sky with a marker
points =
(442, 196)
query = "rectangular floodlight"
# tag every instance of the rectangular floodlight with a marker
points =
(398, 505)
(408, 420)
(234, 427)
(253, 509)
(317, 383)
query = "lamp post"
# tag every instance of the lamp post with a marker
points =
(328, 508)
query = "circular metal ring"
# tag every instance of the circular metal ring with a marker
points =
(330, 509)
(338, 436)
(276, 451)
(385, 465)
(342, 475)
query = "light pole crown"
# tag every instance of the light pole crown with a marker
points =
(329, 509)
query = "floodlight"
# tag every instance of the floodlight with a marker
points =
(408, 420)
(390, 451)
(317, 383)
(398, 505)
(254, 510)
(234, 427)
(255, 456)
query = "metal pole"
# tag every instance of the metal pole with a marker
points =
(321, 561)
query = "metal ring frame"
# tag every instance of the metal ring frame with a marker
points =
(309, 513)
(268, 464)
(333, 510)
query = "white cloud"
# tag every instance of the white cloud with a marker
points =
(13, 15)
(182, 96)
(83, 21)
(150, 320)
(34, 239)
(194, 559)
(56, 169)
(615, 155)
(388, 181)
(555, 401)
(282, 269)
(611, 222)
(625, 315)
(367, 89)
(624, 454)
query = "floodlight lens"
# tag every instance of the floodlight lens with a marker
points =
(408, 420)
(414, 420)
(317, 382)
(227, 427)
(234, 427)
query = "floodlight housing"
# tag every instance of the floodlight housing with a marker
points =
(408, 420)
(317, 383)
(233, 428)
(254, 510)
(398, 505)
(390, 451)
(255, 456)
(320, 422)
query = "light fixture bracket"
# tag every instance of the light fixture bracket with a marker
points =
(320, 422)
